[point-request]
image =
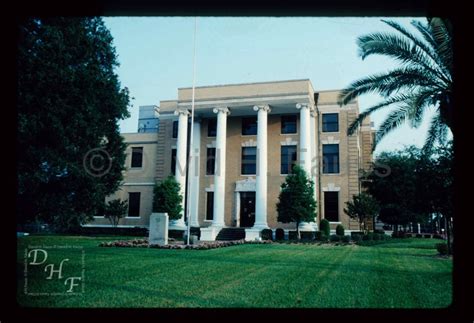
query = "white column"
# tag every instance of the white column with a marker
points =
(237, 208)
(180, 170)
(305, 149)
(314, 161)
(261, 180)
(193, 194)
(219, 173)
(305, 137)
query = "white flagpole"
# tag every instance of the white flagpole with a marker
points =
(191, 137)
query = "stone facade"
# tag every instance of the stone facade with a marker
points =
(267, 101)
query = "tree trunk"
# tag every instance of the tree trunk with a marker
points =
(298, 231)
(448, 234)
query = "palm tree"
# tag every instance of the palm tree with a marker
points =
(423, 79)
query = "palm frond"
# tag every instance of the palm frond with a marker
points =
(442, 35)
(361, 117)
(400, 49)
(387, 83)
(393, 121)
(428, 48)
(438, 132)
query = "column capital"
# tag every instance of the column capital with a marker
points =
(264, 107)
(181, 111)
(300, 106)
(221, 109)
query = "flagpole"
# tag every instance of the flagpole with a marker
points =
(192, 135)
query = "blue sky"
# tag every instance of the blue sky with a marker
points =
(156, 58)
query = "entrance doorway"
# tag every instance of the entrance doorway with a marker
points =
(247, 209)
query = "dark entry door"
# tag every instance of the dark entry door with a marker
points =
(247, 209)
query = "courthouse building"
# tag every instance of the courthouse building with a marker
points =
(245, 139)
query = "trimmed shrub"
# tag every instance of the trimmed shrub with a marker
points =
(367, 237)
(176, 234)
(356, 237)
(442, 248)
(419, 235)
(399, 234)
(346, 239)
(135, 231)
(325, 227)
(320, 236)
(307, 235)
(340, 230)
(379, 231)
(266, 234)
(376, 236)
(427, 235)
(334, 238)
(280, 234)
(292, 235)
(357, 233)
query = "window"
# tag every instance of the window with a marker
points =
(330, 122)
(134, 204)
(249, 126)
(331, 159)
(137, 156)
(288, 159)
(249, 160)
(331, 206)
(210, 161)
(210, 206)
(288, 124)
(175, 129)
(173, 161)
(212, 127)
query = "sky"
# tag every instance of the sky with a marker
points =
(156, 58)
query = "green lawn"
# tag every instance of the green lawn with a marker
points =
(405, 274)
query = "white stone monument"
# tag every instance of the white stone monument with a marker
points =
(158, 231)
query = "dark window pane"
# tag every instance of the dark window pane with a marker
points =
(173, 161)
(134, 204)
(331, 206)
(249, 126)
(288, 159)
(210, 206)
(137, 156)
(249, 160)
(175, 129)
(330, 158)
(210, 161)
(288, 124)
(212, 127)
(330, 122)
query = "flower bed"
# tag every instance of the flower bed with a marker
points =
(143, 243)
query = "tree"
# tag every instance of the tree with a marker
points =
(423, 80)
(69, 149)
(296, 200)
(363, 207)
(167, 198)
(115, 210)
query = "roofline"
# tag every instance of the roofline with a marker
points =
(221, 85)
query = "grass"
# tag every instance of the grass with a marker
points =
(405, 274)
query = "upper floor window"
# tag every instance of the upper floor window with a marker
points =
(210, 161)
(288, 124)
(134, 204)
(249, 160)
(175, 129)
(330, 158)
(249, 126)
(288, 159)
(211, 127)
(330, 122)
(173, 161)
(137, 157)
